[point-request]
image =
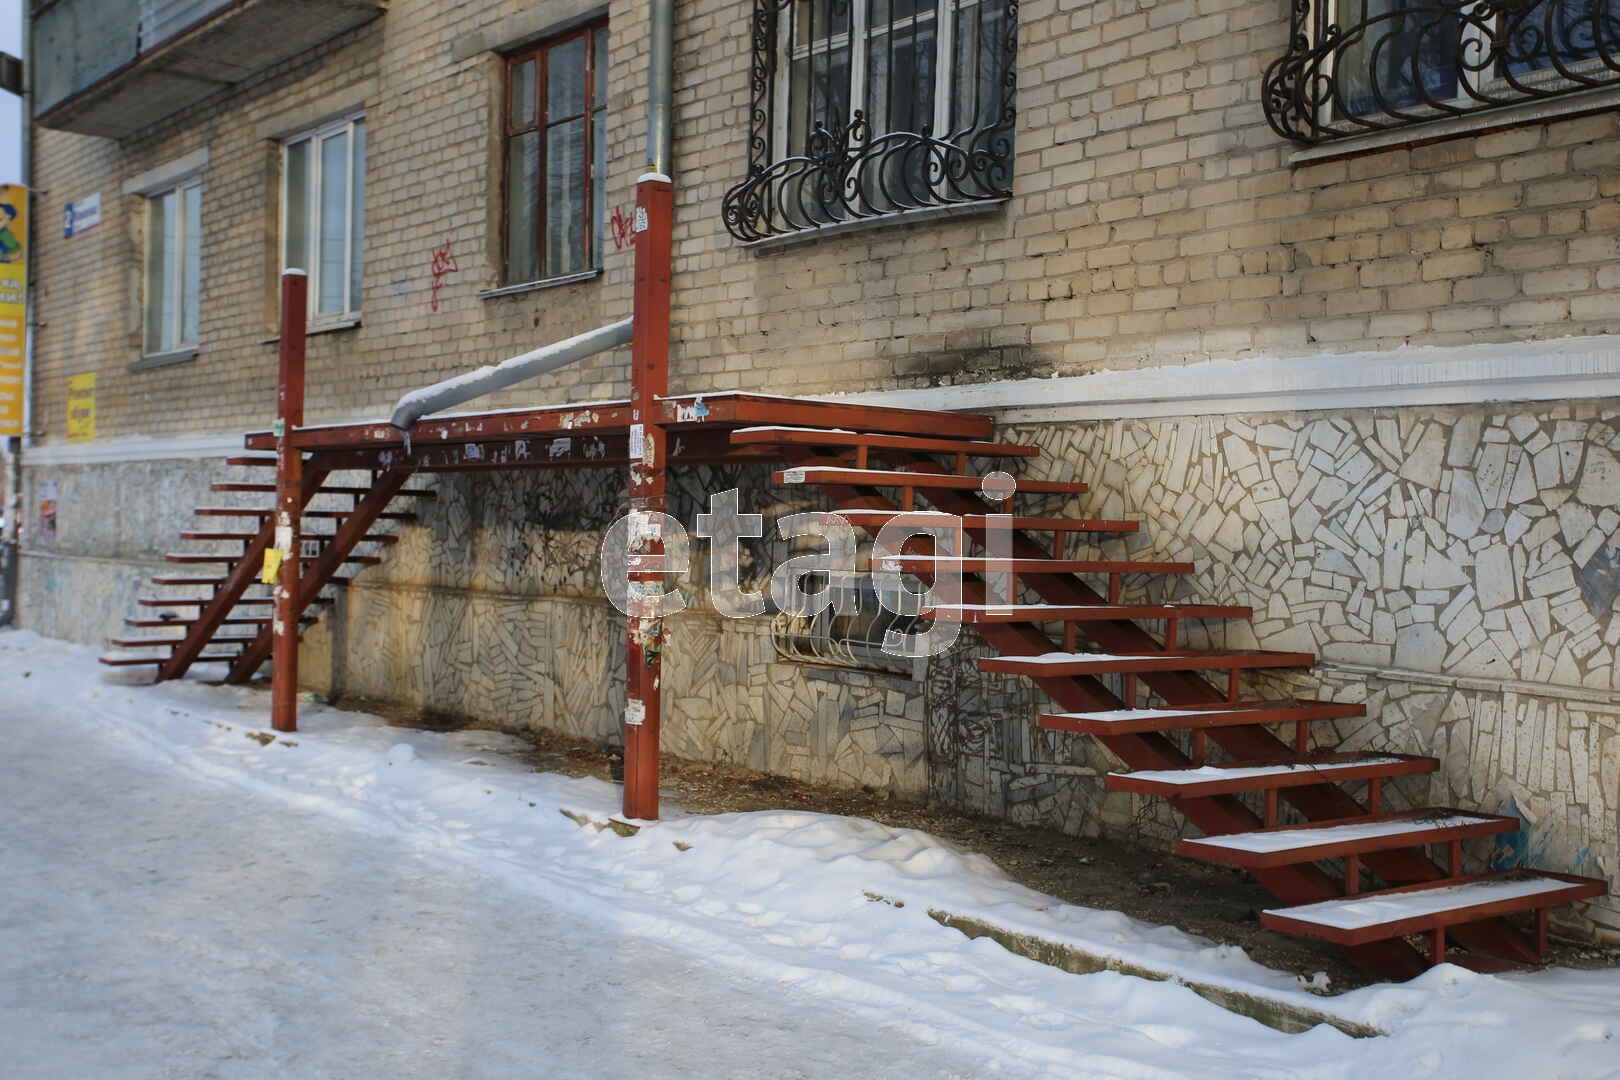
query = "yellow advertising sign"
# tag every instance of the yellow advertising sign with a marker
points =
(82, 407)
(13, 304)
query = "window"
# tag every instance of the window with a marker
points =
(864, 108)
(173, 277)
(1367, 65)
(323, 214)
(556, 156)
(851, 631)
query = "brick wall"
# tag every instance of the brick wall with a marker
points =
(1154, 220)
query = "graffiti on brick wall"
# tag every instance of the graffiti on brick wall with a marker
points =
(620, 228)
(442, 266)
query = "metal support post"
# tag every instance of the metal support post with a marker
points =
(649, 459)
(289, 503)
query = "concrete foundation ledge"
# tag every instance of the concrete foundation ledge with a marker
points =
(1282, 1015)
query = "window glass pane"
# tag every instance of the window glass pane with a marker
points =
(565, 79)
(357, 214)
(522, 199)
(817, 19)
(157, 278)
(598, 185)
(295, 254)
(1570, 30)
(191, 272)
(1406, 56)
(601, 61)
(819, 94)
(900, 78)
(333, 271)
(522, 76)
(981, 44)
(565, 198)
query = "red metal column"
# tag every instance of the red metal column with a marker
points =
(649, 380)
(289, 502)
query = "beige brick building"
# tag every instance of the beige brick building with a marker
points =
(1370, 373)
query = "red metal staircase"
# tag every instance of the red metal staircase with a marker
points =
(217, 632)
(1316, 867)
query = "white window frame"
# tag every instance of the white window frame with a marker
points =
(350, 312)
(177, 277)
(860, 31)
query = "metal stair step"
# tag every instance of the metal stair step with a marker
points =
(790, 436)
(1411, 909)
(1285, 845)
(1188, 717)
(200, 601)
(253, 461)
(418, 493)
(231, 621)
(1040, 613)
(1047, 665)
(1229, 778)
(984, 564)
(264, 512)
(902, 479)
(139, 661)
(191, 557)
(213, 581)
(981, 522)
(222, 537)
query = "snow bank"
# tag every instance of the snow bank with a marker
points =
(793, 898)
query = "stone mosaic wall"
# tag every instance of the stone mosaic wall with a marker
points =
(1454, 567)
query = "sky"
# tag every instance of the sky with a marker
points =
(10, 106)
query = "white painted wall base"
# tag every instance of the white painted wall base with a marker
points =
(1584, 367)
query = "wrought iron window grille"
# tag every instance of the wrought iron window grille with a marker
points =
(1359, 66)
(866, 108)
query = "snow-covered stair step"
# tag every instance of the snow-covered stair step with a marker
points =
(1226, 779)
(1286, 845)
(1042, 613)
(980, 564)
(1183, 718)
(1412, 909)
(816, 474)
(979, 522)
(140, 661)
(1047, 665)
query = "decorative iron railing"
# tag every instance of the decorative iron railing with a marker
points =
(867, 108)
(1356, 66)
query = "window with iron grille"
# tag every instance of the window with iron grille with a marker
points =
(1356, 66)
(867, 108)
(556, 156)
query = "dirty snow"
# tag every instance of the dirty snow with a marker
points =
(406, 903)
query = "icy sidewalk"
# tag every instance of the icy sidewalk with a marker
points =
(787, 897)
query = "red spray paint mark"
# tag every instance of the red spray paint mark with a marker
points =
(620, 226)
(444, 264)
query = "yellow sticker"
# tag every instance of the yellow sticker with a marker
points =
(272, 565)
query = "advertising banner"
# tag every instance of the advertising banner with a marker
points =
(13, 300)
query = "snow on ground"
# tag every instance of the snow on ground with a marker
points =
(359, 900)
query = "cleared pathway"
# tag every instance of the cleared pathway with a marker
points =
(154, 925)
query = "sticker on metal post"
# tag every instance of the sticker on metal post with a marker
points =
(635, 712)
(641, 219)
(638, 436)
